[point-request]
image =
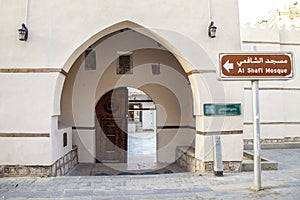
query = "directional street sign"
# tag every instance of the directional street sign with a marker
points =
(252, 66)
(256, 66)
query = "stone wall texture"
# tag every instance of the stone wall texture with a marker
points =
(186, 160)
(59, 168)
(274, 140)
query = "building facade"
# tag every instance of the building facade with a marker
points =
(63, 91)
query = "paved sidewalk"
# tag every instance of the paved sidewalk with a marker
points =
(281, 184)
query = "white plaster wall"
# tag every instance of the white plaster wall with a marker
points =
(85, 141)
(232, 146)
(26, 102)
(57, 94)
(271, 109)
(221, 92)
(219, 123)
(291, 105)
(58, 149)
(291, 130)
(279, 99)
(168, 140)
(212, 91)
(263, 33)
(275, 107)
(25, 151)
(294, 83)
(66, 105)
(56, 28)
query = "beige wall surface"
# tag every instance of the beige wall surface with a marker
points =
(279, 107)
(60, 31)
(27, 102)
(25, 151)
(57, 28)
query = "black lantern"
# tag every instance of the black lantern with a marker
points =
(23, 33)
(212, 29)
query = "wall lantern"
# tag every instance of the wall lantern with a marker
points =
(23, 33)
(212, 29)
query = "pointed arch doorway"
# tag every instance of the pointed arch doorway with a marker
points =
(127, 128)
(171, 90)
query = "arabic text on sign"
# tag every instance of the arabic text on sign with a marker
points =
(260, 60)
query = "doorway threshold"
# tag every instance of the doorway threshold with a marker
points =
(108, 169)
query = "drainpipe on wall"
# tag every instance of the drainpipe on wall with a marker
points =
(26, 13)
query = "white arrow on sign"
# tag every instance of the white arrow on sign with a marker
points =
(228, 66)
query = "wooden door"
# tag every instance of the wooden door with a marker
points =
(112, 115)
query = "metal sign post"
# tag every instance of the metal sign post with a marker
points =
(256, 135)
(256, 66)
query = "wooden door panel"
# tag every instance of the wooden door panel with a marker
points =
(111, 111)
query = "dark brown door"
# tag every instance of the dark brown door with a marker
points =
(112, 111)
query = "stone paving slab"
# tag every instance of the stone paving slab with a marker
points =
(281, 184)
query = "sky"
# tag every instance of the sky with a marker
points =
(255, 10)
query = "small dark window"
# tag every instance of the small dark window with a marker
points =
(155, 69)
(90, 59)
(124, 65)
(65, 139)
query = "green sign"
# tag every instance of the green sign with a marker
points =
(222, 109)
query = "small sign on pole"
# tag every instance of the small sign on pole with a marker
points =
(256, 66)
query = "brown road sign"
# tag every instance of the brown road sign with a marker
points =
(256, 66)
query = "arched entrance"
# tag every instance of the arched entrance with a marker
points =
(174, 87)
(153, 69)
